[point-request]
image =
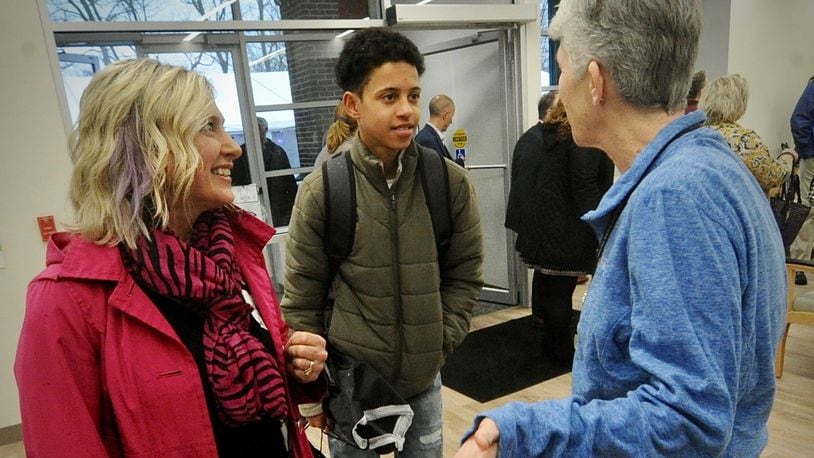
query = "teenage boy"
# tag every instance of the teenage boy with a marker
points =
(392, 303)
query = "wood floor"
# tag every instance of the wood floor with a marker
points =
(791, 424)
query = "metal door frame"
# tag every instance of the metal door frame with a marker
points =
(510, 96)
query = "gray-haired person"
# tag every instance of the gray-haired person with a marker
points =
(680, 325)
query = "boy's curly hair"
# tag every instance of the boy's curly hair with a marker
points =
(369, 49)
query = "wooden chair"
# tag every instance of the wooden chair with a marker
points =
(800, 308)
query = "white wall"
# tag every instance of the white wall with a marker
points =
(772, 46)
(33, 175)
(713, 49)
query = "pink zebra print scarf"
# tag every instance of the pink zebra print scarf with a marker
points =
(204, 276)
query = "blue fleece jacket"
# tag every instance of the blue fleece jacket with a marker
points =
(679, 329)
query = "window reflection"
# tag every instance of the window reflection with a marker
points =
(267, 10)
(139, 10)
(549, 73)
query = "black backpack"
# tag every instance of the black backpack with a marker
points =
(340, 202)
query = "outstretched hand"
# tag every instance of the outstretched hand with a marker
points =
(482, 443)
(305, 356)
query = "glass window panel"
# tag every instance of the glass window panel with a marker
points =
(80, 63)
(269, 10)
(293, 71)
(545, 19)
(451, 2)
(301, 132)
(139, 10)
(267, 56)
(549, 73)
(293, 140)
(260, 10)
(545, 62)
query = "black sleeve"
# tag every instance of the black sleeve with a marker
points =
(588, 180)
(525, 161)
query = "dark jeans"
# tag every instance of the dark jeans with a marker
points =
(551, 301)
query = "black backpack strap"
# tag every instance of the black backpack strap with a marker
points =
(340, 207)
(435, 181)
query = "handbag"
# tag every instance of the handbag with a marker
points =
(789, 210)
(365, 409)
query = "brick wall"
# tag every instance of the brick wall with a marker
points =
(311, 70)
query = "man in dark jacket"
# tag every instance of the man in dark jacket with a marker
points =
(442, 110)
(281, 189)
(802, 130)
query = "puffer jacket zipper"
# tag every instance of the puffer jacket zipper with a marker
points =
(394, 247)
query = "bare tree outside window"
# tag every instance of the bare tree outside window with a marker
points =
(265, 56)
(100, 11)
(223, 59)
(548, 65)
(150, 10)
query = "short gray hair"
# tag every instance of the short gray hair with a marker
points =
(439, 103)
(725, 99)
(648, 46)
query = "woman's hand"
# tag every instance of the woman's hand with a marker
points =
(305, 356)
(483, 442)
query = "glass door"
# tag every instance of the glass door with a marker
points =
(477, 73)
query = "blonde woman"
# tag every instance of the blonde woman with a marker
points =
(339, 137)
(154, 330)
(724, 101)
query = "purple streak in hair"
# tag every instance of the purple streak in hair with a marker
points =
(135, 178)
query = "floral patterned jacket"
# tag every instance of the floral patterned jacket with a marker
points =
(770, 172)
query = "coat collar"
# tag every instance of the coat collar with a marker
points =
(82, 259)
(431, 128)
(647, 159)
(370, 165)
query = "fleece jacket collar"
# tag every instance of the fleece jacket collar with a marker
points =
(647, 160)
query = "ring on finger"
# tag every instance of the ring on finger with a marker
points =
(310, 368)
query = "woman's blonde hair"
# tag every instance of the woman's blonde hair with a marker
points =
(343, 127)
(725, 99)
(133, 148)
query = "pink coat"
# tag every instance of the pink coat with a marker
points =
(102, 373)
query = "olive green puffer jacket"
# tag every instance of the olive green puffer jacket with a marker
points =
(391, 306)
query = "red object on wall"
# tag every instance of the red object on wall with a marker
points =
(47, 226)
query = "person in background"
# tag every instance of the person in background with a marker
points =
(442, 110)
(699, 79)
(154, 329)
(282, 189)
(724, 102)
(241, 173)
(802, 130)
(339, 137)
(554, 182)
(393, 302)
(680, 325)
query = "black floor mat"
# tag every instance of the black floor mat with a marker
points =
(499, 360)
